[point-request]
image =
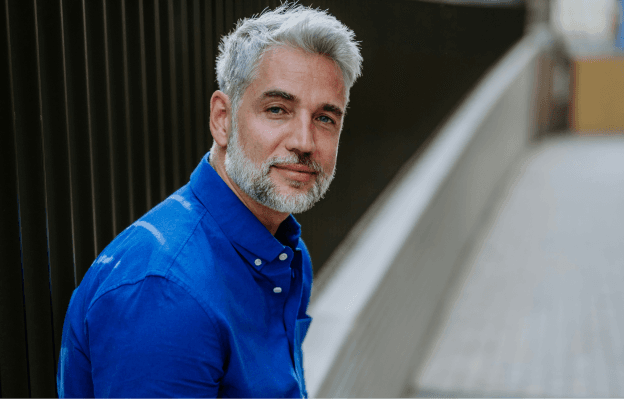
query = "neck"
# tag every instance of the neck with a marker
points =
(271, 219)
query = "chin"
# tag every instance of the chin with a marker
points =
(297, 185)
(290, 187)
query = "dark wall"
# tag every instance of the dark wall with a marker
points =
(420, 60)
(103, 111)
(103, 114)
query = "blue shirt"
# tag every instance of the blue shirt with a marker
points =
(195, 299)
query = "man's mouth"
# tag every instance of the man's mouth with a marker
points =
(296, 168)
(297, 172)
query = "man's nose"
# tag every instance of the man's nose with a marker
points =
(301, 137)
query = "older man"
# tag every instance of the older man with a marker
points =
(206, 295)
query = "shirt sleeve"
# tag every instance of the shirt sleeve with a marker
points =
(74, 368)
(153, 339)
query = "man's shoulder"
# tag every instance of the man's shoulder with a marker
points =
(174, 235)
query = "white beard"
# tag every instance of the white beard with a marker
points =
(256, 182)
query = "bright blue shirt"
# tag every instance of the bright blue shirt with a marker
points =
(195, 299)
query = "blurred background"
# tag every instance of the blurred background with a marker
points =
(470, 245)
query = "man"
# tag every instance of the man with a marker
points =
(206, 294)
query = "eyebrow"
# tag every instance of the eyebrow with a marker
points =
(333, 109)
(279, 93)
(291, 97)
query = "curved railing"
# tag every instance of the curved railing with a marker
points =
(379, 292)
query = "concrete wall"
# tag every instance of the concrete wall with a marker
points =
(372, 315)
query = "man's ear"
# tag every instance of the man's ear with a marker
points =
(220, 111)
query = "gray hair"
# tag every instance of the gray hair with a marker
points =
(311, 30)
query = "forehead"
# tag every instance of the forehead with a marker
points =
(313, 78)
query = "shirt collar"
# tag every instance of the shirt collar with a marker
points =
(236, 221)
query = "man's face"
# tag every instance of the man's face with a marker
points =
(284, 140)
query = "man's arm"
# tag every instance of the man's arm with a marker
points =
(152, 339)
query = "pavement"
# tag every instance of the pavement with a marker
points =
(538, 307)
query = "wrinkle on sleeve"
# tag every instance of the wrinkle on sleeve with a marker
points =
(153, 339)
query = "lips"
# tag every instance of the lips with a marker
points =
(296, 168)
(296, 172)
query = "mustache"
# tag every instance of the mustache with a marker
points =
(294, 159)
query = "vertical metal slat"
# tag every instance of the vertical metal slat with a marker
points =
(31, 191)
(228, 21)
(165, 95)
(120, 162)
(133, 81)
(148, 188)
(99, 149)
(109, 120)
(151, 140)
(200, 110)
(74, 81)
(186, 97)
(89, 127)
(162, 164)
(69, 176)
(56, 163)
(173, 102)
(43, 69)
(81, 222)
(13, 350)
(209, 54)
(127, 116)
(217, 23)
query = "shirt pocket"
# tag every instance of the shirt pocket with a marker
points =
(301, 329)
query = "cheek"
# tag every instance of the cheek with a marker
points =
(328, 152)
(330, 143)
(260, 137)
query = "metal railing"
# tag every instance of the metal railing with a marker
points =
(104, 113)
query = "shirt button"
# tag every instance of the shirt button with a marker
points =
(277, 290)
(258, 262)
(283, 257)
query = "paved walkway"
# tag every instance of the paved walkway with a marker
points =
(540, 312)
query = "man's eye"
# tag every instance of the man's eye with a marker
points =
(325, 119)
(275, 110)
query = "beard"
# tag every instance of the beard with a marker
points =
(257, 184)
